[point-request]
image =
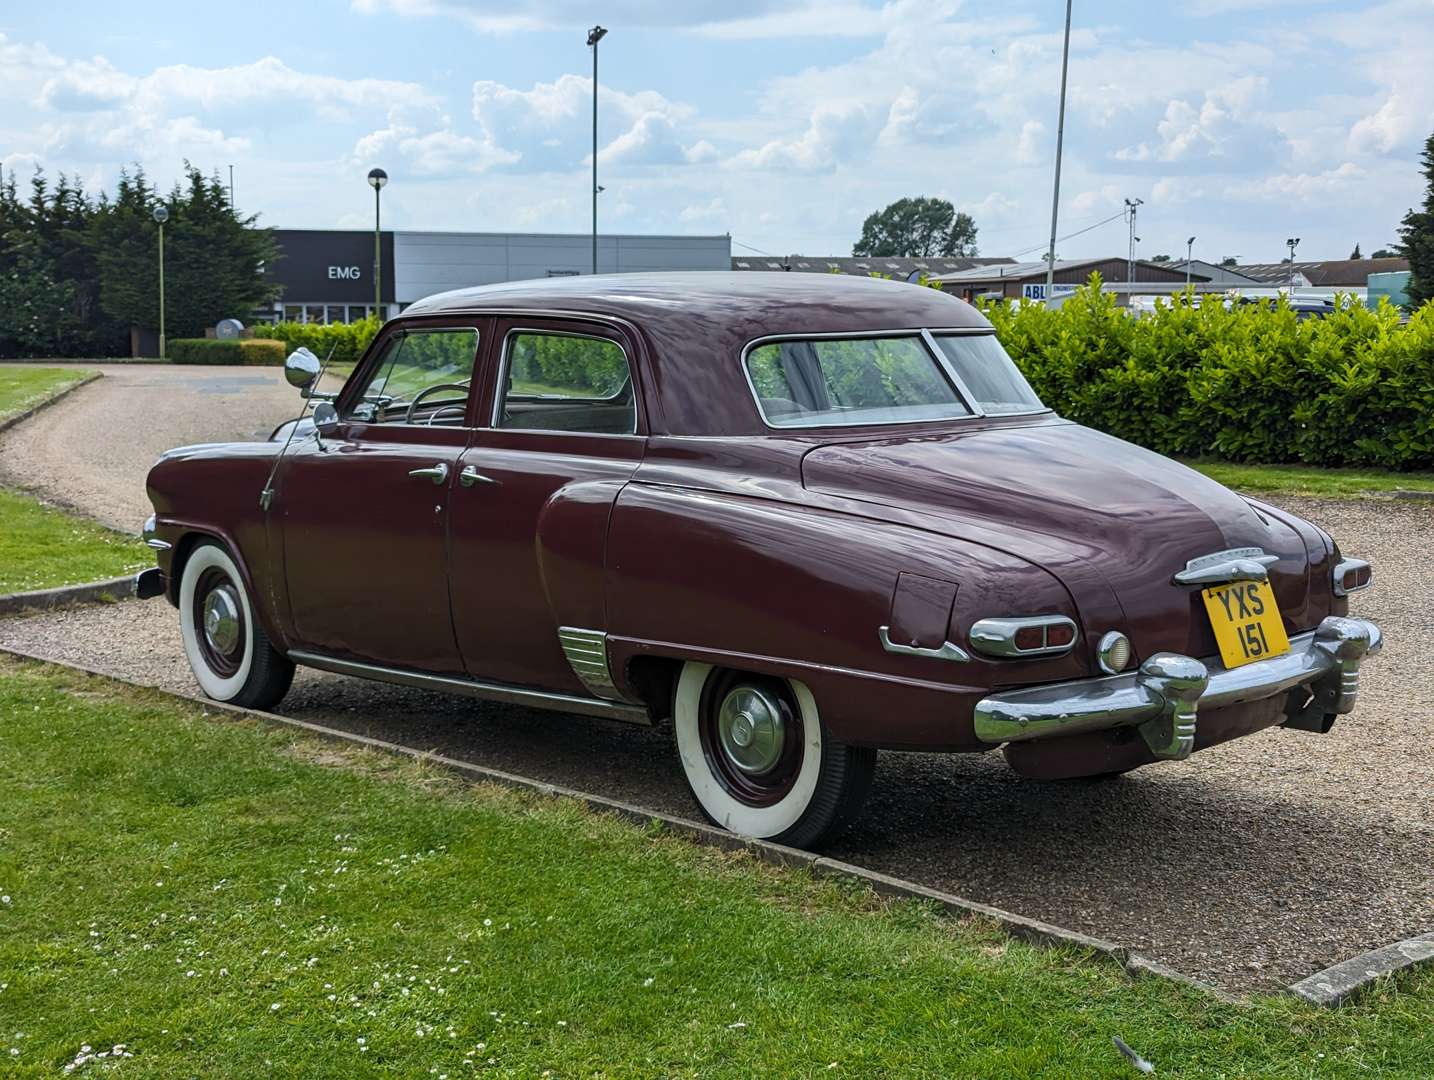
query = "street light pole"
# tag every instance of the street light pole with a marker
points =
(1292, 243)
(161, 215)
(377, 178)
(231, 189)
(1060, 140)
(1189, 247)
(596, 34)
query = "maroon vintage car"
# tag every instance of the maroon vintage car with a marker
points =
(804, 517)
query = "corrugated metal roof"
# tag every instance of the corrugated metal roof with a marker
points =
(901, 267)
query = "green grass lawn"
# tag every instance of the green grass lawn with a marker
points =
(41, 547)
(1306, 480)
(226, 900)
(21, 388)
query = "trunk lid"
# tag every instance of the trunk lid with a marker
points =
(1113, 521)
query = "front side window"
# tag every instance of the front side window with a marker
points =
(422, 377)
(878, 380)
(989, 373)
(566, 382)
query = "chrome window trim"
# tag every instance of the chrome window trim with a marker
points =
(498, 393)
(399, 335)
(924, 333)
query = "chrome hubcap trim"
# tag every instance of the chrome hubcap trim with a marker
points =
(221, 619)
(750, 730)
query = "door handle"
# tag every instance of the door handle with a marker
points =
(437, 473)
(470, 476)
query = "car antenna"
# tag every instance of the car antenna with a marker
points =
(266, 497)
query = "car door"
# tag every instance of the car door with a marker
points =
(561, 436)
(363, 511)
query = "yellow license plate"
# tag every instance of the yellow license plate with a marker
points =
(1246, 622)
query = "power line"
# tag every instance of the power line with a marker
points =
(1072, 236)
(749, 247)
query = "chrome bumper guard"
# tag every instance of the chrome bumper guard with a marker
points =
(1163, 698)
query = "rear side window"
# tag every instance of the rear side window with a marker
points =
(989, 373)
(824, 381)
(566, 382)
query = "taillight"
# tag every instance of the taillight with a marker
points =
(1035, 635)
(1351, 575)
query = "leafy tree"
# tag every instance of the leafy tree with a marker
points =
(1385, 253)
(212, 256)
(917, 227)
(1229, 260)
(1355, 253)
(1160, 258)
(1416, 237)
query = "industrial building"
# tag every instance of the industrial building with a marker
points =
(327, 274)
(1028, 279)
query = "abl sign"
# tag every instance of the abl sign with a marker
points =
(344, 273)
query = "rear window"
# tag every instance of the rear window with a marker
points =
(989, 373)
(875, 380)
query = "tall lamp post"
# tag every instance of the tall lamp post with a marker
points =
(1131, 205)
(161, 215)
(376, 179)
(1060, 139)
(596, 34)
(1292, 243)
(1189, 247)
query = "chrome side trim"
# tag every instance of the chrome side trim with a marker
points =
(945, 651)
(1164, 696)
(451, 684)
(586, 651)
(1344, 567)
(1223, 567)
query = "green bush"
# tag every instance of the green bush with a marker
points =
(232, 351)
(347, 340)
(1251, 383)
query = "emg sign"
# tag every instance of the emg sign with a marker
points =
(345, 273)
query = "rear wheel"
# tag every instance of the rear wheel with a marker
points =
(230, 654)
(759, 760)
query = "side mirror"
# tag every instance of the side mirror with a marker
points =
(302, 368)
(326, 417)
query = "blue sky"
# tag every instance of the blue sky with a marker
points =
(783, 122)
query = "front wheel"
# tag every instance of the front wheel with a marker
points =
(759, 760)
(231, 655)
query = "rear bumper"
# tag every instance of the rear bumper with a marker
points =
(1164, 697)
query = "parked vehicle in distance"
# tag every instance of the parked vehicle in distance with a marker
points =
(804, 517)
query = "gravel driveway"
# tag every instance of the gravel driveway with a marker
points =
(91, 451)
(1251, 865)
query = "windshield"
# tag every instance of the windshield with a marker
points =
(989, 373)
(881, 380)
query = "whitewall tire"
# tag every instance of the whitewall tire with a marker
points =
(758, 759)
(231, 656)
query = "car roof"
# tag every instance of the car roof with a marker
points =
(697, 323)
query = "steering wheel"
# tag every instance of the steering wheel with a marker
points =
(412, 405)
(443, 410)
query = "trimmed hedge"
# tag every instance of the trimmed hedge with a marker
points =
(348, 340)
(1252, 383)
(232, 351)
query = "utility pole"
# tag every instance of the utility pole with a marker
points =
(596, 34)
(1130, 208)
(1060, 140)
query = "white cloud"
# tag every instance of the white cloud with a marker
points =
(1220, 128)
(735, 19)
(1301, 186)
(715, 209)
(1031, 145)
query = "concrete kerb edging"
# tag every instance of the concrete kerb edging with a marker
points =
(1327, 988)
(1334, 985)
(92, 592)
(7, 424)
